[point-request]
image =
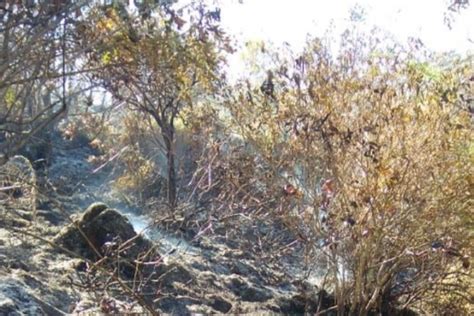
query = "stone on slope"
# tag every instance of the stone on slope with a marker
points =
(100, 230)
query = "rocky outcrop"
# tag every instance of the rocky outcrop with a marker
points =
(99, 231)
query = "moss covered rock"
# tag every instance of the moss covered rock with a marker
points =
(101, 231)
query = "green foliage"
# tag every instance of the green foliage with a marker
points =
(159, 65)
(10, 98)
(139, 175)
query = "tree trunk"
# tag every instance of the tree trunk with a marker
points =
(168, 138)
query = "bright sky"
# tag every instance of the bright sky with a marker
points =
(292, 20)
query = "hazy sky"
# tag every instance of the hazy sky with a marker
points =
(291, 20)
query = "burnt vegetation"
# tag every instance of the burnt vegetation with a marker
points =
(356, 162)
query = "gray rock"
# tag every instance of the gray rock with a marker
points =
(100, 230)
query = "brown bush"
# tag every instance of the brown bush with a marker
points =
(366, 155)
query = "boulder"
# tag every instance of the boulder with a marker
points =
(99, 231)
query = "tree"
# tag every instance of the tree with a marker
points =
(165, 63)
(36, 65)
(455, 7)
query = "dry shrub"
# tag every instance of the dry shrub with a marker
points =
(88, 129)
(367, 155)
(137, 131)
(139, 177)
(18, 185)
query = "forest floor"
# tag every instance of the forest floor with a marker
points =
(205, 273)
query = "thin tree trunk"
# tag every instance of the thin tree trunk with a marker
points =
(168, 138)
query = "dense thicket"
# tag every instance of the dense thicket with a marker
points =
(367, 154)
